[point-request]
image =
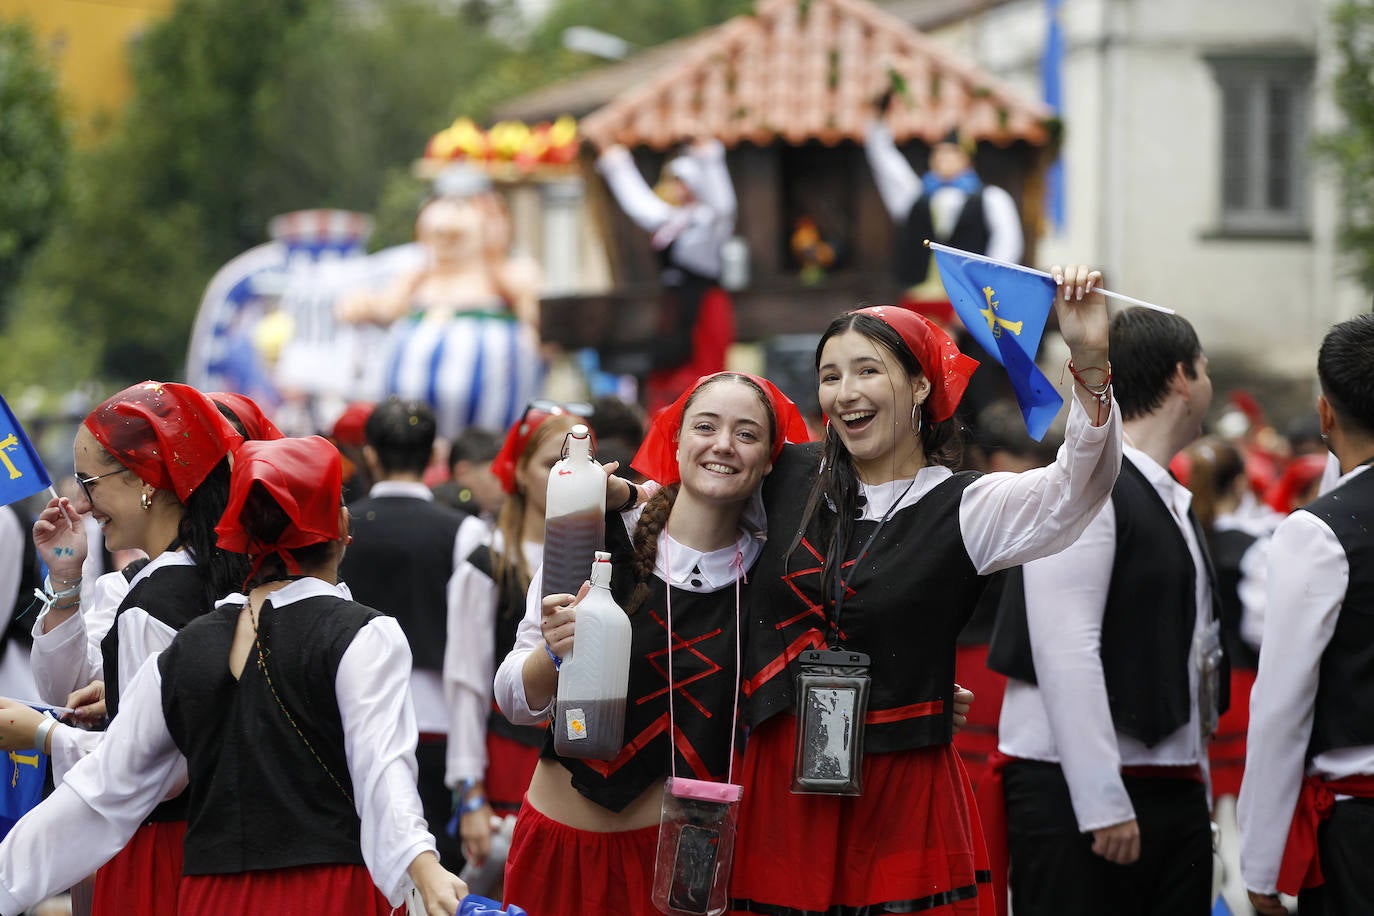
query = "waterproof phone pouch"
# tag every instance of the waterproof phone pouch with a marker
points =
(832, 701)
(696, 846)
(1207, 652)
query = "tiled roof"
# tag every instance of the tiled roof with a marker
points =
(799, 70)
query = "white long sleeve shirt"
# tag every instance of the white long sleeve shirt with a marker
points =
(1308, 575)
(469, 666)
(1066, 719)
(100, 805)
(699, 229)
(900, 187)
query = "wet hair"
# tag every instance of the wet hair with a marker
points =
(221, 572)
(508, 564)
(1343, 368)
(656, 511)
(1147, 347)
(264, 520)
(402, 434)
(837, 483)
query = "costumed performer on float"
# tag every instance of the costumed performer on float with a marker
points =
(464, 326)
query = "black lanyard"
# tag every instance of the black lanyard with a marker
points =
(842, 581)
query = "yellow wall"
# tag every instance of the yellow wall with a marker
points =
(88, 40)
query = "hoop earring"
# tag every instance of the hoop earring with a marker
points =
(145, 500)
(916, 420)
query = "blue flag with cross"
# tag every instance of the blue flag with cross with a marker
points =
(21, 470)
(1005, 310)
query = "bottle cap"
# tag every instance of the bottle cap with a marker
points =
(579, 432)
(603, 556)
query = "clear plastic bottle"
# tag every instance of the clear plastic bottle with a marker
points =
(574, 516)
(589, 718)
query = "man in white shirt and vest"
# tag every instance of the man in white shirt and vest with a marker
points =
(1116, 671)
(1306, 804)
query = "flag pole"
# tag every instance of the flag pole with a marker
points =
(936, 246)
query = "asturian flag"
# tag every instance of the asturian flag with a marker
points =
(1005, 310)
(21, 470)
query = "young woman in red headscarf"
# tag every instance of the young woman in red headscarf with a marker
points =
(878, 549)
(152, 464)
(490, 761)
(288, 708)
(586, 837)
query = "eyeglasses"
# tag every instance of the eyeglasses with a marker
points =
(553, 409)
(87, 481)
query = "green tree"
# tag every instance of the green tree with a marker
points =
(33, 150)
(1351, 147)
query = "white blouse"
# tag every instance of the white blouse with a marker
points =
(95, 811)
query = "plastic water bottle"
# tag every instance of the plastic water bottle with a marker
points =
(589, 719)
(574, 516)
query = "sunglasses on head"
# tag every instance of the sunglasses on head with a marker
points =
(553, 409)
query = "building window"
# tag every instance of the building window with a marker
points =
(1264, 136)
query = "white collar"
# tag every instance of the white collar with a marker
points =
(161, 561)
(715, 569)
(409, 488)
(296, 590)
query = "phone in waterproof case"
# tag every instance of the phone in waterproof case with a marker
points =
(694, 869)
(832, 702)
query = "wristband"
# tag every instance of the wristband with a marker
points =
(557, 662)
(475, 803)
(40, 735)
(631, 501)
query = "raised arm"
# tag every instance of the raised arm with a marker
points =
(631, 192)
(898, 184)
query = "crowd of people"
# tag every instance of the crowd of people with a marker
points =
(321, 673)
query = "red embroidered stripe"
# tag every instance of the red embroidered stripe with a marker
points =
(811, 639)
(914, 711)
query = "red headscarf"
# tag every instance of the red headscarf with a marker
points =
(304, 476)
(518, 439)
(255, 422)
(947, 369)
(170, 435)
(349, 428)
(657, 457)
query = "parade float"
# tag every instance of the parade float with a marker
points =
(308, 321)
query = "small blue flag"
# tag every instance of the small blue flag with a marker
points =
(23, 773)
(21, 470)
(1005, 310)
(474, 905)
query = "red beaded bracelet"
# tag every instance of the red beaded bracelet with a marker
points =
(1101, 393)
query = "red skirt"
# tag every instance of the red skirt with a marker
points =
(142, 878)
(556, 869)
(1226, 752)
(510, 767)
(911, 840)
(284, 892)
(978, 738)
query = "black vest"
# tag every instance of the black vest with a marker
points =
(912, 259)
(1147, 623)
(1345, 688)
(510, 608)
(1228, 548)
(258, 797)
(400, 563)
(704, 676)
(912, 594)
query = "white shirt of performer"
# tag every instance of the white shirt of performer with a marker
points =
(1066, 719)
(1308, 575)
(106, 796)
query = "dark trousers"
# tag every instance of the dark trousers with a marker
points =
(1055, 873)
(437, 801)
(1344, 843)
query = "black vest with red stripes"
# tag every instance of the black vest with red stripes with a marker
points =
(259, 796)
(1147, 622)
(400, 563)
(1345, 685)
(704, 679)
(909, 599)
(510, 608)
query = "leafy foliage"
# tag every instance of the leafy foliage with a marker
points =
(1351, 148)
